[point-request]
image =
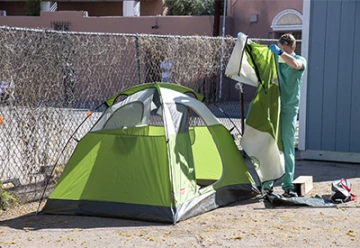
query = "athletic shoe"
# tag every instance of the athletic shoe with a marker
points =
(267, 191)
(290, 193)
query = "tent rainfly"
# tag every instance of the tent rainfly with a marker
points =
(254, 64)
(157, 153)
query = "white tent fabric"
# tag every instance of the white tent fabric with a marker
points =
(238, 67)
(261, 146)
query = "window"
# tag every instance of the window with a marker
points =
(288, 21)
(61, 26)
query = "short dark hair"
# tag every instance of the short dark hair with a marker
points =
(287, 39)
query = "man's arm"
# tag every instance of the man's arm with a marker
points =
(291, 61)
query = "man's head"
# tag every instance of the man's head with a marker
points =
(287, 43)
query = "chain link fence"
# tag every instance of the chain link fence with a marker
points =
(51, 80)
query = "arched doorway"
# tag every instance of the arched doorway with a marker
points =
(288, 21)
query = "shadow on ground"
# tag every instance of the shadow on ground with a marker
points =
(42, 221)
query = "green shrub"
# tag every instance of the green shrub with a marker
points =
(7, 199)
(33, 7)
(190, 7)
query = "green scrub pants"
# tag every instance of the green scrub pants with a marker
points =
(288, 128)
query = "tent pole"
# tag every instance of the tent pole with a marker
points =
(242, 108)
(57, 160)
(239, 86)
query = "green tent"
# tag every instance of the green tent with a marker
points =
(254, 64)
(157, 153)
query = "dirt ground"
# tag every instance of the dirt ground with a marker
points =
(248, 223)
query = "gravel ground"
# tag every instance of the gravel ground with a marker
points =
(248, 223)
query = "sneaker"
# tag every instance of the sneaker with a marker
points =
(267, 191)
(290, 193)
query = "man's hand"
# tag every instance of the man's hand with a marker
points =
(275, 49)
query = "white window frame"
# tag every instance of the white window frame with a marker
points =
(276, 27)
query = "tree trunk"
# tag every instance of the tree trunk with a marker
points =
(216, 27)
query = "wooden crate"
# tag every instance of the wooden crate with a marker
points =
(303, 185)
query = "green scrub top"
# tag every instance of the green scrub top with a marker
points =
(290, 81)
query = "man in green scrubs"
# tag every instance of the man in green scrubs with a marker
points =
(291, 68)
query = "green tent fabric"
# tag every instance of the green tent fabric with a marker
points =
(275, 200)
(254, 64)
(146, 159)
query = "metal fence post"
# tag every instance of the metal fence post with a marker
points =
(137, 56)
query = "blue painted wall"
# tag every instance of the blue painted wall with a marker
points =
(333, 86)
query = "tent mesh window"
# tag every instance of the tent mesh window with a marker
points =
(194, 119)
(156, 118)
(120, 98)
